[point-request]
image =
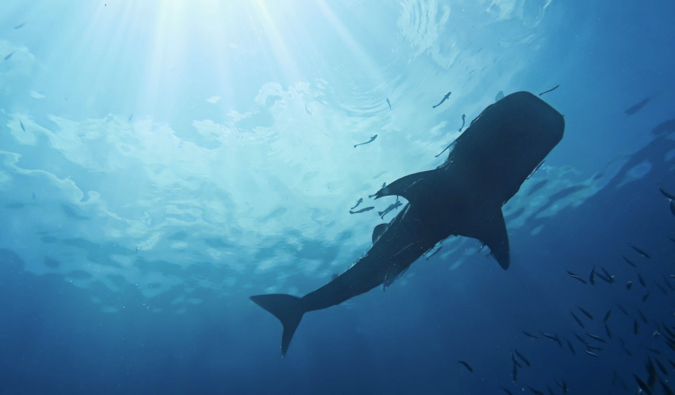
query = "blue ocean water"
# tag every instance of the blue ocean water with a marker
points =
(161, 161)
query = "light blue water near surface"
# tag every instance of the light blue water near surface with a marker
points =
(161, 161)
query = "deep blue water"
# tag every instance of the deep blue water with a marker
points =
(161, 162)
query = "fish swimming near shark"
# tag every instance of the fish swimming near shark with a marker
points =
(462, 197)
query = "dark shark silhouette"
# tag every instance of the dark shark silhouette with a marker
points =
(462, 197)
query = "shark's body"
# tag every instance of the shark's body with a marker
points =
(461, 197)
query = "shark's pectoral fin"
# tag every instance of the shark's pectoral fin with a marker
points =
(490, 229)
(379, 231)
(409, 186)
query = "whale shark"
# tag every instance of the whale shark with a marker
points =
(462, 197)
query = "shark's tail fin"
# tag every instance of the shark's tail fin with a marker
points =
(288, 309)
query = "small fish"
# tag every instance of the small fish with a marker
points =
(644, 298)
(363, 210)
(642, 385)
(581, 339)
(593, 348)
(367, 142)
(521, 356)
(466, 365)
(389, 209)
(640, 251)
(592, 354)
(514, 373)
(667, 194)
(528, 334)
(594, 337)
(663, 290)
(629, 285)
(609, 333)
(389, 103)
(581, 324)
(661, 367)
(444, 99)
(644, 318)
(642, 280)
(608, 315)
(610, 278)
(591, 276)
(463, 122)
(636, 107)
(636, 327)
(357, 203)
(534, 391)
(22, 127)
(628, 261)
(516, 362)
(667, 282)
(622, 309)
(655, 351)
(666, 390)
(507, 391)
(8, 57)
(19, 26)
(552, 337)
(630, 354)
(577, 277)
(130, 118)
(586, 313)
(569, 344)
(550, 90)
(563, 386)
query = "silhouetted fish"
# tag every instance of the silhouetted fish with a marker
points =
(581, 324)
(628, 261)
(447, 95)
(367, 142)
(521, 356)
(569, 344)
(550, 90)
(586, 313)
(636, 107)
(528, 334)
(640, 251)
(363, 210)
(466, 365)
(666, 193)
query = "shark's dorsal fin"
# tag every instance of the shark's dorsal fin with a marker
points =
(490, 229)
(379, 231)
(405, 186)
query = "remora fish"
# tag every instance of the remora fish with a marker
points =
(462, 197)
(367, 142)
(363, 210)
(447, 95)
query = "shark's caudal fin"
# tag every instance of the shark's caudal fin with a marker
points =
(288, 309)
